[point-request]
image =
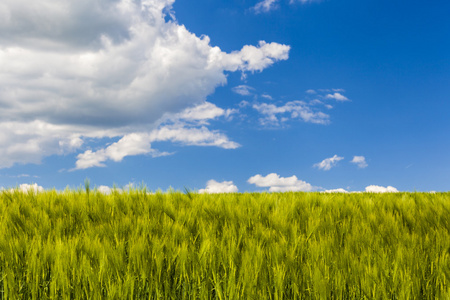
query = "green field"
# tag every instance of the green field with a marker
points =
(81, 244)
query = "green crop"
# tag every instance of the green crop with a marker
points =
(81, 244)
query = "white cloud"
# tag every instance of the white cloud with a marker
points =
(200, 114)
(129, 145)
(186, 128)
(265, 6)
(130, 185)
(303, 1)
(102, 68)
(214, 187)
(107, 190)
(296, 109)
(252, 59)
(203, 111)
(380, 189)
(267, 96)
(104, 189)
(280, 184)
(337, 96)
(140, 143)
(244, 104)
(193, 137)
(340, 190)
(316, 102)
(25, 188)
(28, 142)
(360, 161)
(21, 176)
(268, 5)
(308, 111)
(328, 163)
(243, 90)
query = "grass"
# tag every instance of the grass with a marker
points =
(81, 244)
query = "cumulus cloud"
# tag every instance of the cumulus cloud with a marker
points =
(328, 163)
(104, 189)
(337, 96)
(252, 59)
(290, 110)
(103, 69)
(340, 190)
(28, 142)
(214, 187)
(360, 161)
(275, 183)
(107, 190)
(380, 189)
(26, 188)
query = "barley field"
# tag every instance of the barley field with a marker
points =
(82, 244)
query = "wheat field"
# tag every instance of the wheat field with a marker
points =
(82, 244)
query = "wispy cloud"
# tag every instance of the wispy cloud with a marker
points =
(277, 114)
(192, 137)
(129, 145)
(187, 128)
(274, 115)
(23, 176)
(275, 183)
(244, 104)
(303, 1)
(267, 96)
(201, 114)
(265, 6)
(243, 90)
(140, 143)
(328, 163)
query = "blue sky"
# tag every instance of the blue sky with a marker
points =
(230, 96)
